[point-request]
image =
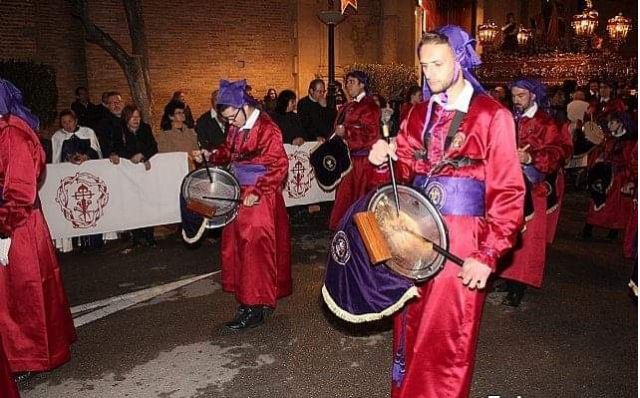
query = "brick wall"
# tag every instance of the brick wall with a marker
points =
(195, 43)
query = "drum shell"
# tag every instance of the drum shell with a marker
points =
(429, 223)
(225, 211)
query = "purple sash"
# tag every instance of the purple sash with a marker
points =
(248, 173)
(453, 196)
(533, 175)
(360, 152)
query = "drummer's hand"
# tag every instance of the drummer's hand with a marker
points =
(320, 139)
(380, 152)
(474, 274)
(114, 158)
(199, 155)
(340, 131)
(250, 200)
(523, 156)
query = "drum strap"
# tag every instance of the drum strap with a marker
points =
(453, 129)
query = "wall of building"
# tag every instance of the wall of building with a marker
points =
(195, 43)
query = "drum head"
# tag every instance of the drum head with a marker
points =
(197, 186)
(593, 132)
(413, 257)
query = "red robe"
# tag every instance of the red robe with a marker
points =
(553, 215)
(8, 388)
(37, 329)
(362, 130)
(618, 207)
(443, 323)
(542, 135)
(256, 246)
(630, 247)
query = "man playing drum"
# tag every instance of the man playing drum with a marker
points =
(256, 263)
(359, 124)
(459, 140)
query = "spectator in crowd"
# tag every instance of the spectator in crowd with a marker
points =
(510, 32)
(76, 144)
(558, 104)
(288, 120)
(315, 116)
(139, 146)
(86, 112)
(269, 101)
(386, 112)
(179, 138)
(413, 96)
(109, 129)
(500, 94)
(165, 123)
(103, 108)
(210, 127)
(248, 90)
(73, 142)
(340, 91)
(592, 90)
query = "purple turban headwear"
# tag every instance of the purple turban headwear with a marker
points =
(466, 57)
(232, 93)
(536, 87)
(11, 104)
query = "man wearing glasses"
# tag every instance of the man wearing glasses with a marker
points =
(256, 263)
(315, 116)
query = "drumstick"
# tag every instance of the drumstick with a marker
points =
(385, 133)
(224, 199)
(438, 249)
(206, 164)
(525, 147)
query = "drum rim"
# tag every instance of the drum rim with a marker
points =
(217, 169)
(444, 232)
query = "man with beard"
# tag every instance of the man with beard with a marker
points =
(541, 154)
(458, 140)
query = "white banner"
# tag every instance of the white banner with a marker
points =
(302, 187)
(98, 196)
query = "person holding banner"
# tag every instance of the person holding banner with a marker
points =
(458, 140)
(256, 252)
(358, 123)
(35, 320)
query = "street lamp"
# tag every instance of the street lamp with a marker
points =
(618, 28)
(523, 36)
(488, 34)
(585, 24)
(331, 18)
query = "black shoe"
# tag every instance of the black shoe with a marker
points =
(251, 318)
(22, 377)
(239, 315)
(612, 236)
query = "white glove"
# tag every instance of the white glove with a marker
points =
(5, 244)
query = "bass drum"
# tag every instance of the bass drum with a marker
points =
(405, 233)
(196, 186)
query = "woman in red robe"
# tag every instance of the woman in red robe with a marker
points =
(37, 329)
(473, 170)
(256, 258)
(359, 124)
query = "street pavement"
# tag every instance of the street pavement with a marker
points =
(575, 337)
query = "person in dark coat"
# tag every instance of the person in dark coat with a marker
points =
(315, 116)
(288, 120)
(210, 128)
